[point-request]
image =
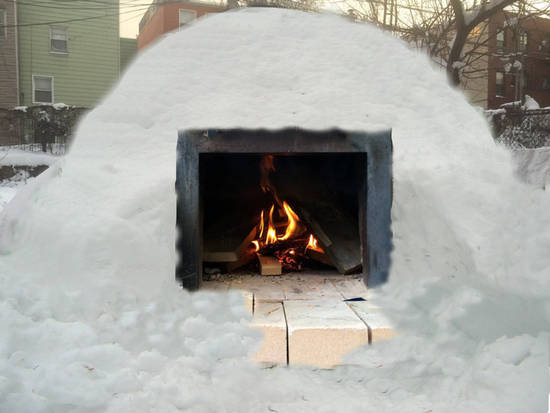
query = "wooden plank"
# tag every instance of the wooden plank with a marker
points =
(319, 257)
(229, 244)
(269, 265)
(337, 233)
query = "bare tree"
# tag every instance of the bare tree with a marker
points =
(453, 32)
(285, 4)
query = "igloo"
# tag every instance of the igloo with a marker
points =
(95, 319)
(111, 202)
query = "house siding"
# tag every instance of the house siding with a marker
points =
(8, 59)
(128, 50)
(91, 66)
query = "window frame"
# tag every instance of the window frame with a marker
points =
(57, 51)
(34, 101)
(501, 85)
(180, 24)
(500, 46)
(523, 47)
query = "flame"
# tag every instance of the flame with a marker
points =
(261, 225)
(271, 236)
(292, 220)
(312, 244)
(256, 245)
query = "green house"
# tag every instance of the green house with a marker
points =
(69, 51)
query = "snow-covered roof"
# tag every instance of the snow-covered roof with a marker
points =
(91, 241)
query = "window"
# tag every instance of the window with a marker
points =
(187, 16)
(59, 39)
(501, 40)
(546, 83)
(2, 24)
(522, 41)
(42, 89)
(499, 81)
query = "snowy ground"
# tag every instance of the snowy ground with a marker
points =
(93, 321)
(6, 194)
(10, 156)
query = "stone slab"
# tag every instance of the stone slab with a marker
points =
(270, 318)
(321, 332)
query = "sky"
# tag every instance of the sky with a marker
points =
(130, 15)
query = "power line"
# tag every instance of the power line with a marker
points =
(80, 19)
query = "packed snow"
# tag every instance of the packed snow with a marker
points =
(93, 320)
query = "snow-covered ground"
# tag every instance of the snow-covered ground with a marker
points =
(92, 320)
(10, 156)
(533, 166)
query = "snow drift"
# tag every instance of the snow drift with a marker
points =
(91, 315)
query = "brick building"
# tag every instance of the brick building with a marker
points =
(163, 18)
(9, 91)
(519, 60)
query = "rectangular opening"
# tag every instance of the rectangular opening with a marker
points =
(281, 212)
(322, 196)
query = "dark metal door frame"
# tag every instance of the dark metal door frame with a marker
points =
(375, 197)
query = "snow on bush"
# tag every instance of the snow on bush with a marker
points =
(93, 321)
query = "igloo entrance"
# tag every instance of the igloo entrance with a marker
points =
(283, 201)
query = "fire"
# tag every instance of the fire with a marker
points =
(261, 225)
(280, 231)
(292, 222)
(312, 244)
(271, 236)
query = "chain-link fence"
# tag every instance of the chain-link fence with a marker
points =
(521, 128)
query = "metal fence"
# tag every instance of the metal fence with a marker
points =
(39, 128)
(521, 128)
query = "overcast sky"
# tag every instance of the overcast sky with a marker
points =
(130, 16)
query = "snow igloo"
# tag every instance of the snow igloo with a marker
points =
(325, 96)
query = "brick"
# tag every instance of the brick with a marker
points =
(321, 332)
(309, 287)
(270, 318)
(350, 287)
(380, 327)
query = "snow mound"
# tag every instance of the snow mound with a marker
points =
(94, 319)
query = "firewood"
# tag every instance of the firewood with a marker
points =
(319, 257)
(228, 245)
(269, 265)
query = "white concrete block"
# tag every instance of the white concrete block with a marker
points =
(350, 287)
(380, 326)
(309, 287)
(270, 318)
(321, 332)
